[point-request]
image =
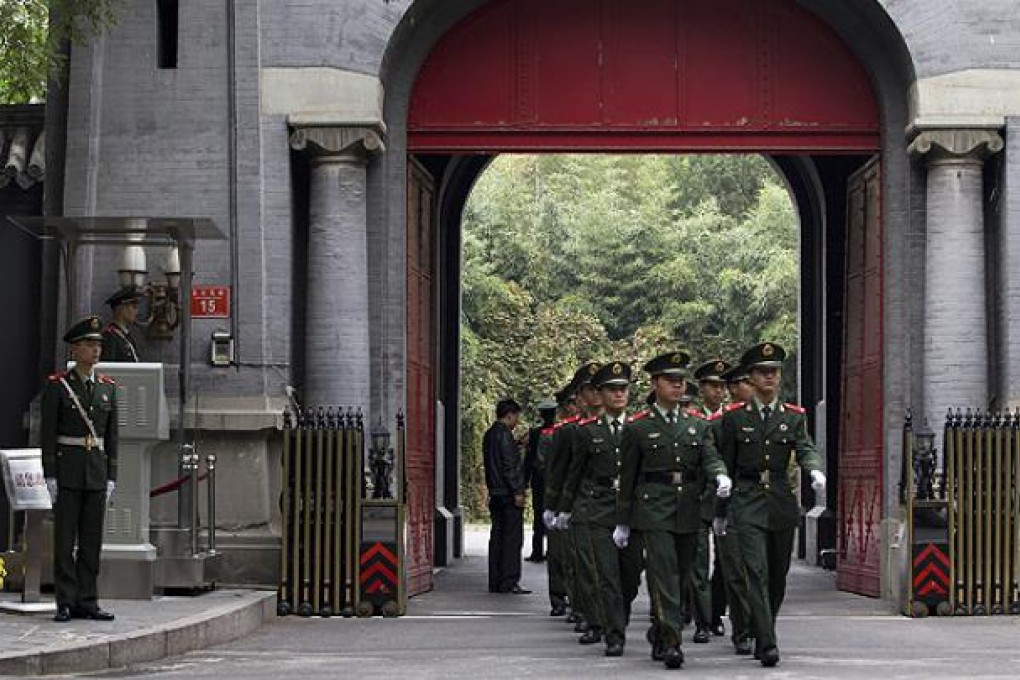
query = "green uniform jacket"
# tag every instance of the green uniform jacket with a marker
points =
(557, 462)
(757, 458)
(651, 446)
(73, 466)
(593, 478)
(708, 498)
(117, 345)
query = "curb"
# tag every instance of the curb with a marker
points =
(216, 626)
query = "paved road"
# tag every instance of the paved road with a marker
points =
(460, 631)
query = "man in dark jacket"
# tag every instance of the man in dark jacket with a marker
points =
(504, 479)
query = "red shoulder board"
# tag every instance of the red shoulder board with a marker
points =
(695, 413)
(588, 421)
(58, 375)
(638, 416)
(736, 405)
(105, 379)
(566, 421)
(548, 430)
(795, 408)
(715, 416)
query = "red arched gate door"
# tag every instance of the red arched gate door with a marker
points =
(634, 75)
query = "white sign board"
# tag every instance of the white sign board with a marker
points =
(24, 480)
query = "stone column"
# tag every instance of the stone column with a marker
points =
(337, 360)
(956, 349)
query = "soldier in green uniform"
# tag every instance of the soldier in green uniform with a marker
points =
(554, 557)
(79, 451)
(727, 541)
(756, 439)
(708, 596)
(593, 482)
(117, 342)
(534, 476)
(582, 594)
(667, 454)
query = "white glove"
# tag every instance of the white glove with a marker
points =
(621, 536)
(723, 486)
(719, 526)
(51, 486)
(109, 489)
(549, 519)
(818, 481)
(563, 521)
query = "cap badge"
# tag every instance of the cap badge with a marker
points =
(719, 367)
(676, 359)
(767, 350)
(617, 369)
(94, 323)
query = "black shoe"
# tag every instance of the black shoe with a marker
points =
(742, 647)
(701, 636)
(658, 651)
(718, 629)
(537, 559)
(517, 590)
(591, 636)
(770, 657)
(63, 614)
(558, 610)
(581, 626)
(673, 658)
(97, 614)
(614, 649)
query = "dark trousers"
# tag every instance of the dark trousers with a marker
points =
(537, 525)
(77, 519)
(557, 569)
(670, 558)
(505, 539)
(618, 576)
(719, 599)
(735, 579)
(699, 587)
(766, 555)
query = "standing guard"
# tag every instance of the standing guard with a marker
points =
(117, 342)
(534, 477)
(756, 441)
(667, 455)
(79, 451)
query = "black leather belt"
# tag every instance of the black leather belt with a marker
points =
(761, 477)
(676, 477)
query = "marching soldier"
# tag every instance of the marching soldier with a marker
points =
(667, 454)
(117, 342)
(756, 440)
(727, 541)
(583, 594)
(79, 449)
(708, 596)
(534, 476)
(557, 558)
(593, 482)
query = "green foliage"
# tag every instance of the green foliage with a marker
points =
(28, 48)
(570, 258)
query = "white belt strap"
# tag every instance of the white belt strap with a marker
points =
(87, 441)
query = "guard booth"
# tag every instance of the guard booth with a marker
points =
(343, 535)
(173, 558)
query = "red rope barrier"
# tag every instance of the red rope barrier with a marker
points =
(174, 485)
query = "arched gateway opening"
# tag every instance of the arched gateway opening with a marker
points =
(683, 76)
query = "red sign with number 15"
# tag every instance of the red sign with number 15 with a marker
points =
(210, 302)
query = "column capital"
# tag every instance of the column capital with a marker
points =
(956, 144)
(358, 139)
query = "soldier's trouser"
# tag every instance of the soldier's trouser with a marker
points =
(77, 518)
(568, 562)
(719, 599)
(618, 577)
(670, 558)
(766, 558)
(698, 587)
(555, 569)
(734, 576)
(585, 573)
(538, 532)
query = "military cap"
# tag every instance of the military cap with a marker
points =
(89, 328)
(671, 363)
(584, 375)
(764, 355)
(125, 294)
(735, 374)
(547, 404)
(711, 371)
(613, 373)
(566, 394)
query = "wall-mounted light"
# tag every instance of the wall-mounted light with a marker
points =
(162, 298)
